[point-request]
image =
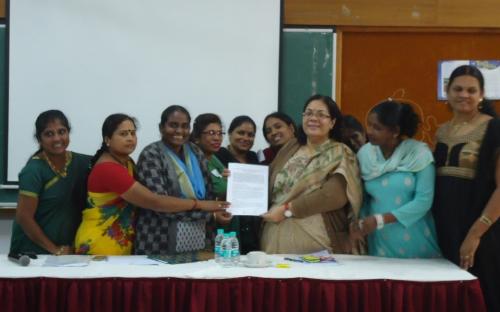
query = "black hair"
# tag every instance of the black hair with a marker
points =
(201, 122)
(395, 114)
(44, 119)
(169, 111)
(281, 116)
(238, 121)
(485, 106)
(484, 182)
(333, 110)
(111, 123)
(350, 122)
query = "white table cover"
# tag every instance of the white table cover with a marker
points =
(349, 267)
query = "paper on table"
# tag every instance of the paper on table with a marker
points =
(247, 189)
(67, 261)
(130, 260)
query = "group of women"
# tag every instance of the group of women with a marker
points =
(393, 198)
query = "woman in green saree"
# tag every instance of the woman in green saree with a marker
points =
(52, 191)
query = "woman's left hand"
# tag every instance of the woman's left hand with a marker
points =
(468, 251)
(226, 173)
(276, 214)
(223, 217)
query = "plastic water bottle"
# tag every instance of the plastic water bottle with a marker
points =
(235, 249)
(218, 245)
(226, 250)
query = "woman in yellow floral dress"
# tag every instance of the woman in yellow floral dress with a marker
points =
(107, 226)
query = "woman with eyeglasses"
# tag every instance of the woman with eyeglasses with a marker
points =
(207, 134)
(314, 185)
(241, 138)
(176, 167)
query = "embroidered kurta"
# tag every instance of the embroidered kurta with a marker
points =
(402, 185)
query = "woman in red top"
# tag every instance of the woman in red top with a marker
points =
(107, 226)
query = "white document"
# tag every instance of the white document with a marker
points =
(247, 189)
(130, 260)
(67, 261)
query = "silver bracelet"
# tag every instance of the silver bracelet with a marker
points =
(380, 221)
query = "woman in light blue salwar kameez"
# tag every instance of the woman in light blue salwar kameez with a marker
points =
(398, 174)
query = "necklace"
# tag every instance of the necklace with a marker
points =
(457, 125)
(63, 172)
(460, 128)
(124, 164)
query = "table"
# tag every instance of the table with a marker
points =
(356, 283)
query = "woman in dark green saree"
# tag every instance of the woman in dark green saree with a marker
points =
(52, 191)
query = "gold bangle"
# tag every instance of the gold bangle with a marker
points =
(486, 220)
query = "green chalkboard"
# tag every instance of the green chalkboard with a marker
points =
(306, 68)
(5, 195)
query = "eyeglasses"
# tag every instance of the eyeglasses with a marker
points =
(319, 114)
(214, 133)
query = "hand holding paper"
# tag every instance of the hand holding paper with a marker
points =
(247, 189)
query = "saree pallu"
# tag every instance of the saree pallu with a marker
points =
(297, 172)
(107, 228)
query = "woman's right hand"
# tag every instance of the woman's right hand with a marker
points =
(212, 205)
(226, 173)
(355, 231)
(63, 250)
(368, 225)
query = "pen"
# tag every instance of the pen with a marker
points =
(292, 259)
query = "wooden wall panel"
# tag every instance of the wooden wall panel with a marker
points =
(434, 13)
(2, 8)
(402, 64)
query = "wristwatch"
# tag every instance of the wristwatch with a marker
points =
(287, 212)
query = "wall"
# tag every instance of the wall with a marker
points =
(378, 63)
(434, 13)
(5, 230)
(456, 13)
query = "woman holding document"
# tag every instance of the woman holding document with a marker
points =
(108, 224)
(176, 167)
(314, 185)
(241, 138)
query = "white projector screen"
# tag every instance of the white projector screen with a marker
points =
(92, 58)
